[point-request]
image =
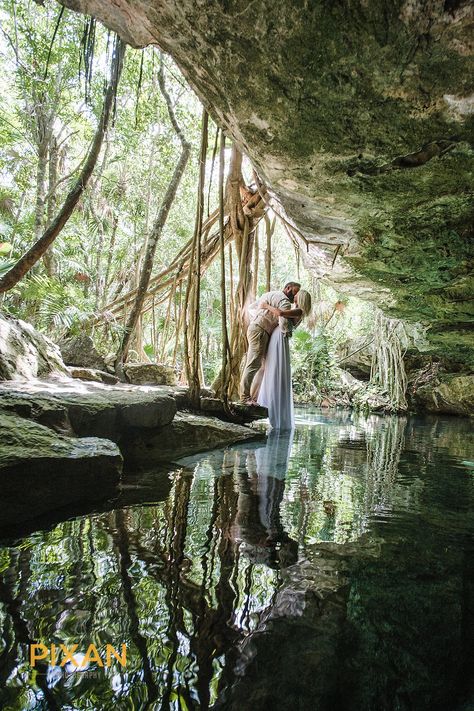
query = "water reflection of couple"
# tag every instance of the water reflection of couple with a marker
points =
(258, 526)
(266, 379)
(259, 472)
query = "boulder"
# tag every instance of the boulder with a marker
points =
(93, 375)
(447, 394)
(80, 351)
(90, 409)
(346, 383)
(150, 374)
(26, 353)
(41, 470)
(187, 434)
(355, 356)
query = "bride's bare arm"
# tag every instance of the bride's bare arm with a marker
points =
(286, 313)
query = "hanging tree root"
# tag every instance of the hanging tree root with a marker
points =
(170, 194)
(388, 368)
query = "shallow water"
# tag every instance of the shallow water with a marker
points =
(329, 570)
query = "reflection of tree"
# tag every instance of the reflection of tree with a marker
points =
(121, 540)
(167, 562)
(384, 450)
(22, 636)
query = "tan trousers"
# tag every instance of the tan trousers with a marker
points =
(258, 342)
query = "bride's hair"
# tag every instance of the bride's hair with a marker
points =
(303, 299)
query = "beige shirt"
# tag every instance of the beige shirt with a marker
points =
(264, 318)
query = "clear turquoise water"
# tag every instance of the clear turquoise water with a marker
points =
(329, 570)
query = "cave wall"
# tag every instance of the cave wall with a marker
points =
(359, 114)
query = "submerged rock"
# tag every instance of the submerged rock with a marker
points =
(41, 470)
(187, 434)
(150, 374)
(26, 353)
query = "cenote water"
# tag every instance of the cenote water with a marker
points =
(328, 570)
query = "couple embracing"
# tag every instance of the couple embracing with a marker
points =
(266, 379)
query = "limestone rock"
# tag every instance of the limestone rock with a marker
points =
(347, 383)
(41, 470)
(187, 434)
(90, 409)
(80, 351)
(355, 356)
(26, 353)
(150, 374)
(450, 394)
(93, 375)
(245, 413)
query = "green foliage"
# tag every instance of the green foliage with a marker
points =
(53, 304)
(313, 362)
(5, 265)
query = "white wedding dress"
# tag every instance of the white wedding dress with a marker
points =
(276, 391)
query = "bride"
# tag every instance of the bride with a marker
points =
(276, 392)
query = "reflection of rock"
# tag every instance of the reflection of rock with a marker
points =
(41, 470)
(296, 643)
(142, 487)
(150, 374)
(80, 351)
(411, 618)
(450, 394)
(358, 626)
(186, 434)
(25, 353)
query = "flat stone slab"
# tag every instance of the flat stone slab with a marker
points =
(187, 434)
(244, 413)
(41, 470)
(92, 375)
(89, 408)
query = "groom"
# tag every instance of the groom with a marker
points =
(259, 331)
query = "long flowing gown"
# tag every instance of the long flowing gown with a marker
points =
(276, 392)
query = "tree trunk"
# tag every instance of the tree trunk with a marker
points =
(192, 318)
(40, 184)
(34, 254)
(155, 233)
(49, 258)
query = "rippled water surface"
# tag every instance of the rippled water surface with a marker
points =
(331, 569)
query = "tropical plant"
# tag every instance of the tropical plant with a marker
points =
(313, 365)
